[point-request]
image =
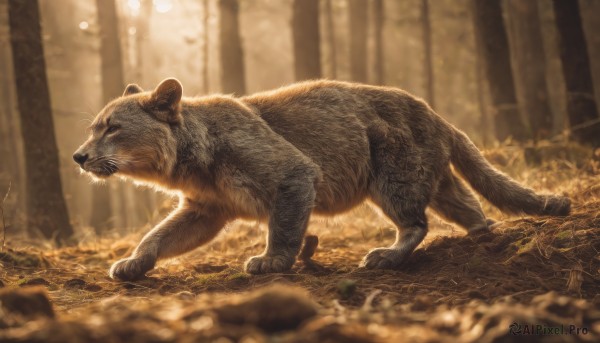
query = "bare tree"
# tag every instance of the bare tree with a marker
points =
(232, 55)
(130, 204)
(358, 39)
(581, 105)
(205, 23)
(11, 159)
(530, 66)
(305, 31)
(111, 67)
(111, 72)
(330, 27)
(482, 91)
(427, 47)
(378, 18)
(8, 138)
(46, 208)
(491, 35)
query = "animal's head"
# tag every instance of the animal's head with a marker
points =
(133, 134)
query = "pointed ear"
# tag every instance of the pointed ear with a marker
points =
(164, 100)
(132, 88)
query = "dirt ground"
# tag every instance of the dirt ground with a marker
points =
(531, 279)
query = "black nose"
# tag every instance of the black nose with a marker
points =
(80, 158)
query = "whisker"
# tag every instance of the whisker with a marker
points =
(88, 120)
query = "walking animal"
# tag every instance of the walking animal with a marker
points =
(318, 147)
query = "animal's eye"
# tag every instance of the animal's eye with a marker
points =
(112, 129)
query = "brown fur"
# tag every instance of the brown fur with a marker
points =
(320, 146)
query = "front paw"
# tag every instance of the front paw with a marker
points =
(383, 258)
(269, 264)
(132, 268)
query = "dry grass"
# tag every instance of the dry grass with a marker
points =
(542, 271)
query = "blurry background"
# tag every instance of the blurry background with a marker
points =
(499, 70)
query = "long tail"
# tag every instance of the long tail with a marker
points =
(502, 191)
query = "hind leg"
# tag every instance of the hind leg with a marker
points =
(401, 185)
(411, 223)
(456, 203)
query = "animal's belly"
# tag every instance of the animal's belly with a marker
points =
(336, 140)
(330, 202)
(345, 180)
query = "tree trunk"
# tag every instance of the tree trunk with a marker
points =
(590, 19)
(12, 149)
(111, 67)
(206, 36)
(581, 105)
(330, 26)
(9, 149)
(232, 54)
(484, 123)
(46, 207)
(426, 29)
(491, 36)
(531, 66)
(111, 73)
(358, 40)
(7, 158)
(135, 51)
(378, 18)
(305, 29)
(8, 99)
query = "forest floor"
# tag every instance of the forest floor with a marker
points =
(536, 276)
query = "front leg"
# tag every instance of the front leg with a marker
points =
(287, 223)
(185, 229)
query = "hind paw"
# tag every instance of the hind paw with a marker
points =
(383, 258)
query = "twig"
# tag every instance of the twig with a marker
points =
(2, 215)
(584, 125)
(568, 131)
(369, 301)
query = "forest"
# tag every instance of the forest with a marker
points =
(520, 77)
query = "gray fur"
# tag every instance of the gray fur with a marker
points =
(315, 147)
